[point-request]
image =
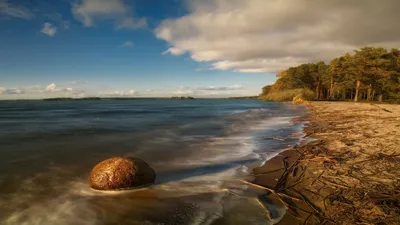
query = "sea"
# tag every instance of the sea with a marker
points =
(200, 150)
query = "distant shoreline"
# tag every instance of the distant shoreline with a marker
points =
(115, 98)
(130, 98)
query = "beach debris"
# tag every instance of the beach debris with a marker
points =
(120, 173)
(386, 110)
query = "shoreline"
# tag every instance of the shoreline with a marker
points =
(321, 182)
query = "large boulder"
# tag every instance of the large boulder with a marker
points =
(121, 173)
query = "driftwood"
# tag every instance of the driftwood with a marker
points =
(286, 183)
(386, 110)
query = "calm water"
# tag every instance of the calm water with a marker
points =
(199, 149)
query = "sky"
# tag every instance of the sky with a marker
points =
(163, 48)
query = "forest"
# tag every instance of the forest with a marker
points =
(367, 74)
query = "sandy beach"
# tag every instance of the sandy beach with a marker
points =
(348, 175)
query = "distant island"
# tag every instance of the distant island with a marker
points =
(180, 98)
(71, 99)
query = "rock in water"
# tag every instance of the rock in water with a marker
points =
(121, 173)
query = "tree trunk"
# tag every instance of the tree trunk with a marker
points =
(351, 94)
(373, 94)
(317, 90)
(357, 91)
(369, 91)
(380, 98)
(331, 94)
(321, 93)
(327, 92)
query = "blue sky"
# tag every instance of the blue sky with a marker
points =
(100, 48)
(203, 48)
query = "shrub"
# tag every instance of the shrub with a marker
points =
(289, 95)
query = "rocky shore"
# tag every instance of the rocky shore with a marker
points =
(348, 175)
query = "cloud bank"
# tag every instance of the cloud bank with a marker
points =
(10, 91)
(267, 36)
(129, 93)
(48, 90)
(208, 91)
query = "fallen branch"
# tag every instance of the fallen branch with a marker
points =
(281, 194)
(333, 183)
(319, 158)
(312, 183)
(382, 108)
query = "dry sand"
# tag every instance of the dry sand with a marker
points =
(350, 175)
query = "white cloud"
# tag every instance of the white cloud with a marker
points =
(51, 87)
(90, 11)
(75, 82)
(183, 91)
(40, 91)
(208, 91)
(11, 91)
(174, 51)
(17, 11)
(117, 93)
(127, 44)
(35, 88)
(57, 18)
(68, 89)
(131, 23)
(227, 88)
(49, 29)
(269, 35)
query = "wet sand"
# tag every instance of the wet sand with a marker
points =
(348, 175)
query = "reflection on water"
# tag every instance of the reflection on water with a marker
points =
(199, 150)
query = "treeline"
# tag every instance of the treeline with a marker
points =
(370, 73)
